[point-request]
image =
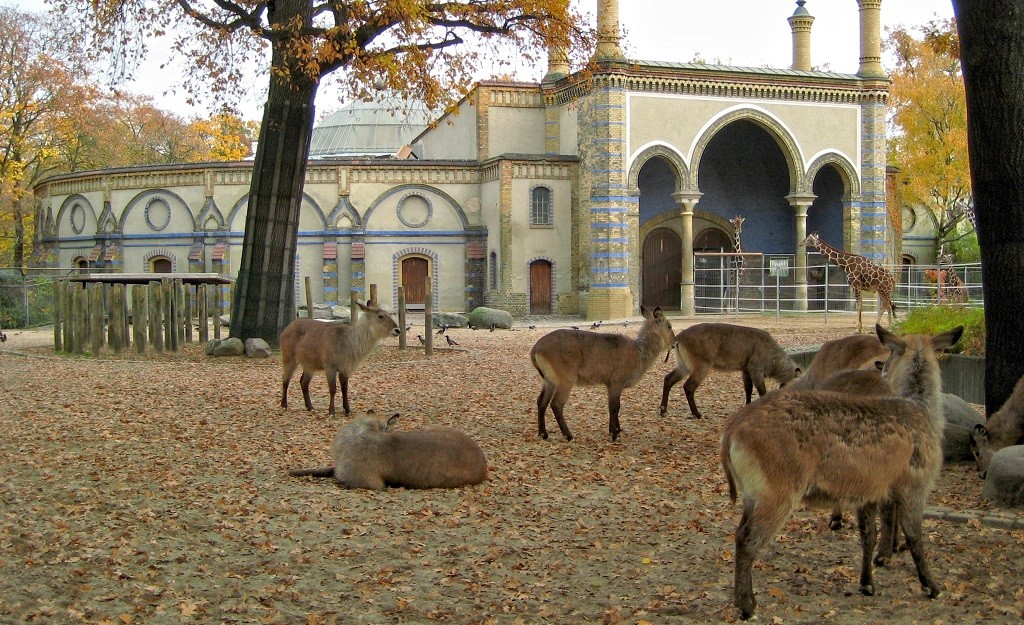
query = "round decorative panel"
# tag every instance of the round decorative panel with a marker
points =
(77, 218)
(158, 214)
(909, 218)
(414, 211)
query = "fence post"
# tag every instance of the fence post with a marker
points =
(401, 318)
(67, 306)
(80, 316)
(204, 322)
(353, 308)
(428, 320)
(115, 327)
(826, 293)
(218, 311)
(186, 315)
(97, 317)
(140, 318)
(156, 321)
(58, 314)
(309, 297)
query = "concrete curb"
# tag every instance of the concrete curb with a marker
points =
(988, 518)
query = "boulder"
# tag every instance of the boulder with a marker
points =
(256, 348)
(961, 418)
(1004, 482)
(483, 318)
(451, 320)
(228, 347)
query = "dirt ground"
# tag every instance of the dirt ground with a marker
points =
(155, 490)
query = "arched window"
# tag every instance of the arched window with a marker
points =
(81, 264)
(160, 264)
(494, 271)
(540, 207)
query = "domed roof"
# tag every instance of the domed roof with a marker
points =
(369, 129)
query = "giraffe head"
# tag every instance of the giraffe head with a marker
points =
(812, 240)
(737, 222)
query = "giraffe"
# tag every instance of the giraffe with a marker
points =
(954, 291)
(737, 262)
(861, 275)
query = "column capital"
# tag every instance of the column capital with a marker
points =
(687, 199)
(801, 202)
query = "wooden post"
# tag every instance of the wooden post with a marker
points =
(218, 311)
(373, 294)
(80, 315)
(186, 313)
(97, 314)
(156, 322)
(116, 325)
(58, 313)
(140, 318)
(204, 321)
(309, 297)
(125, 325)
(401, 318)
(169, 314)
(428, 320)
(68, 331)
(353, 307)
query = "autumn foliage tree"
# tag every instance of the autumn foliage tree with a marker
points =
(929, 110)
(413, 48)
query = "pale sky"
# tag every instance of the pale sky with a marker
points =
(751, 33)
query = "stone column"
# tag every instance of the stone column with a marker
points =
(687, 293)
(870, 39)
(558, 64)
(800, 23)
(800, 203)
(608, 30)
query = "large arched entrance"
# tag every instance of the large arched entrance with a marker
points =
(662, 258)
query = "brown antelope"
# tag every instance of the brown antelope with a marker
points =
(565, 358)
(846, 355)
(337, 349)
(704, 347)
(1003, 428)
(825, 447)
(369, 454)
(859, 351)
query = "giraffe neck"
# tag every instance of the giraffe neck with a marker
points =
(836, 257)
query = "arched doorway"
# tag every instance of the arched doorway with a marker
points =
(662, 259)
(415, 273)
(540, 287)
(709, 271)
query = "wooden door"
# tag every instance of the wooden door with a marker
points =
(415, 270)
(662, 269)
(540, 287)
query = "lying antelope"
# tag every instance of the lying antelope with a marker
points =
(1003, 428)
(824, 447)
(565, 358)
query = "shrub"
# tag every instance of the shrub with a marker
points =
(933, 319)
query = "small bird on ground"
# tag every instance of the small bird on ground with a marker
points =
(595, 325)
(492, 327)
(422, 340)
(533, 327)
(451, 341)
(575, 327)
(443, 329)
(408, 327)
(3, 337)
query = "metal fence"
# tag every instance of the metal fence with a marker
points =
(26, 298)
(767, 283)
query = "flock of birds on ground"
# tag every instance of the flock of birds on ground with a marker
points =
(860, 430)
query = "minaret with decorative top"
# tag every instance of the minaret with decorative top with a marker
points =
(612, 215)
(800, 23)
(870, 215)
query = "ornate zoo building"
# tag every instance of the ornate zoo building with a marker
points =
(568, 196)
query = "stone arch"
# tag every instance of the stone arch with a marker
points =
(396, 268)
(666, 152)
(149, 195)
(342, 210)
(847, 171)
(762, 118)
(68, 205)
(160, 252)
(406, 189)
(307, 202)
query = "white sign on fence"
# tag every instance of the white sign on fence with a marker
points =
(779, 267)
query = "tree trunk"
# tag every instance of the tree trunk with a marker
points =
(264, 299)
(992, 56)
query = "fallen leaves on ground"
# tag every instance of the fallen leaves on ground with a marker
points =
(155, 490)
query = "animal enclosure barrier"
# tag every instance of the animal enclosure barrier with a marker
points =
(115, 310)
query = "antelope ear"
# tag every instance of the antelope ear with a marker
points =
(948, 339)
(890, 340)
(645, 312)
(980, 430)
(657, 312)
(362, 306)
(879, 364)
(391, 422)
